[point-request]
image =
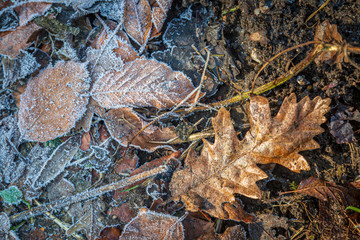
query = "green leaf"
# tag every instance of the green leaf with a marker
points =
(12, 195)
(353, 208)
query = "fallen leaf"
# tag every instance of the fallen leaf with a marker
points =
(230, 166)
(158, 14)
(340, 126)
(137, 21)
(110, 233)
(53, 101)
(30, 10)
(235, 232)
(85, 141)
(124, 123)
(92, 108)
(142, 83)
(323, 190)
(260, 37)
(152, 225)
(11, 42)
(124, 50)
(124, 213)
(194, 226)
(328, 33)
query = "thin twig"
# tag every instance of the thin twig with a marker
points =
(87, 195)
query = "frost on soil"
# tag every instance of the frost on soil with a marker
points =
(53, 101)
(142, 83)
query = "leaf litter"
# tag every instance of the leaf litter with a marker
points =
(114, 56)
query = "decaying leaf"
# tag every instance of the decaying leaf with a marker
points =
(324, 190)
(142, 83)
(340, 126)
(229, 166)
(11, 42)
(53, 101)
(152, 225)
(124, 123)
(326, 32)
(137, 21)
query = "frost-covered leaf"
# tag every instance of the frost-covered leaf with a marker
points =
(152, 225)
(137, 21)
(104, 60)
(56, 163)
(29, 11)
(53, 101)
(90, 220)
(11, 42)
(11, 195)
(22, 66)
(209, 181)
(159, 13)
(4, 225)
(92, 108)
(8, 20)
(124, 123)
(12, 165)
(142, 83)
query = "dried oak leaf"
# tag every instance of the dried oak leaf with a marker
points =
(124, 123)
(229, 166)
(137, 21)
(326, 32)
(53, 101)
(152, 225)
(142, 83)
(11, 42)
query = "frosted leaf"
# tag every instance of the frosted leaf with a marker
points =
(112, 9)
(8, 20)
(4, 225)
(11, 195)
(101, 160)
(92, 108)
(67, 52)
(142, 83)
(11, 167)
(38, 157)
(124, 123)
(120, 43)
(6, 100)
(13, 70)
(105, 58)
(12, 42)
(29, 11)
(151, 225)
(159, 13)
(56, 162)
(60, 189)
(53, 101)
(91, 220)
(137, 21)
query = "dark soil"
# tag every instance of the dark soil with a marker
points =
(228, 31)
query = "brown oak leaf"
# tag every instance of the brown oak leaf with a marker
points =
(152, 225)
(137, 21)
(159, 12)
(142, 83)
(124, 123)
(53, 101)
(229, 165)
